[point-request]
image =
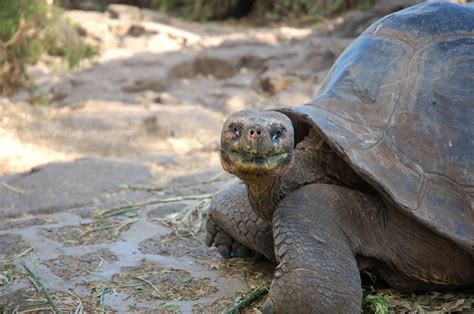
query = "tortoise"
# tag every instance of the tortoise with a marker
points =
(376, 172)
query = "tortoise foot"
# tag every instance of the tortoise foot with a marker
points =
(226, 245)
(234, 228)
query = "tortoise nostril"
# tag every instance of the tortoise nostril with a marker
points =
(255, 132)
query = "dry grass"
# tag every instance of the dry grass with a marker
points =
(149, 281)
(390, 301)
(40, 299)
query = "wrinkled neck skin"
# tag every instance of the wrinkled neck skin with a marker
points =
(264, 193)
(313, 162)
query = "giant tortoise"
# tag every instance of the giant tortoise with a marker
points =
(376, 172)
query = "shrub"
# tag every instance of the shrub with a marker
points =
(29, 28)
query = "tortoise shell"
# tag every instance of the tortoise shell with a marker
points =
(398, 105)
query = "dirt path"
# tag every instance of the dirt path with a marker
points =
(103, 191)
(146, 113)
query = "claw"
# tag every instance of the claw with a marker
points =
(209, 239)
(236, 245)
(223, 238)
(224, 251)
(268, 307)
(242, 251)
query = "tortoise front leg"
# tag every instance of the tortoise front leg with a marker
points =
(233, 226)
(317, 271)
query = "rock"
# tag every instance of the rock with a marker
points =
(253, 62)
(93, 27)
(60, 186)
(151, 125)
(136, 30)
(162, 43)
(124, 12)
(194, 124)
(155, 16)
(219, 68)
(172, 32)
(140, 85)
(119, 28)
(165, 99)
(205, 65)
(61, 90)
(182, 70)
(274, 81)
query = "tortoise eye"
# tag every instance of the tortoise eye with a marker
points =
(235, 130)
(276, 135)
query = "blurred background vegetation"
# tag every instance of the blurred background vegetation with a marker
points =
(29, 29)
(32, 28)
(222, 9)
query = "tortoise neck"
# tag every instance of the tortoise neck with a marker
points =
(264, 195)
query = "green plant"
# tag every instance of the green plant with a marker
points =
(29, 28)
(61, 39)
(20, 22)
(373, 303)
(183, 8)
(365, 5)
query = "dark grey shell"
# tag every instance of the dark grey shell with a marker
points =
(398, 105)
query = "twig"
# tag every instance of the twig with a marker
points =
(123, 226)
(35, 310)
(218, 177)
(118, 210)
(13, 189)
(40, 288)
(25, 252)
(122, 211)
(100, 262)
(251, 297)
(99, 292)
(80, 306)
(86, 232)
(147, 282)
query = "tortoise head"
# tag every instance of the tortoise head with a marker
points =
(257, 143)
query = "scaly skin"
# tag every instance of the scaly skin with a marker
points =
(327, 223)
(234, 210)
(317, 270)
(231, 211)
(232, 216)
(321, 232)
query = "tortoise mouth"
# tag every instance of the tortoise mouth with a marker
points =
(245, 163)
